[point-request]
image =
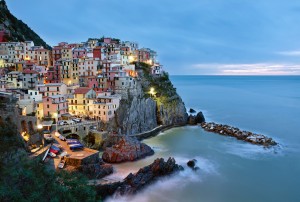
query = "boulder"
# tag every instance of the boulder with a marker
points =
(127, 149)
(191, 120)
(191, 163)
(192, 111)
(195, 119)
(199, 118)
(96, 170)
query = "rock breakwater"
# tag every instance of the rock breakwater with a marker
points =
(239, 134)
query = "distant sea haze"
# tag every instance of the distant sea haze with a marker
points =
(230, 170)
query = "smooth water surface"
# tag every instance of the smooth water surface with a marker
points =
(230, 170)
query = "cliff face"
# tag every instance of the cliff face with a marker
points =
(172, 112)
(140, 111)
(136, 115)
(18, 30)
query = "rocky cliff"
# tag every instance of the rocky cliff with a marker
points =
(141, 110)
(17, 29)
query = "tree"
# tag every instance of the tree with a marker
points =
(25, 179)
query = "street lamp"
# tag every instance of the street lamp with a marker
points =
(40, 126)
(55, 115)
(152, 92)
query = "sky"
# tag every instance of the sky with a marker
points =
(205, 37)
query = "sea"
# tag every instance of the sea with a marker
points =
(230, 170)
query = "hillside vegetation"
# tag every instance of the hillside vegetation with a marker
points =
(19, 31)
(24, 179)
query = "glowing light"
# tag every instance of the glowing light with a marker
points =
(55, 115)
(39, 126)
(152, 91)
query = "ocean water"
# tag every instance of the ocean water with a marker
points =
(230, 170)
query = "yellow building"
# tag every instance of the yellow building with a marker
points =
(79, 104)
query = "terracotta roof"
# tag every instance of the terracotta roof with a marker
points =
(29, 71)
(82, 90)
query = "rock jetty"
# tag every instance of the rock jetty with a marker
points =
(237, 133)
(134, 182)
(127, 149)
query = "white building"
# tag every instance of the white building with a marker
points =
(50, 89)
(15, 78)
(35, 95)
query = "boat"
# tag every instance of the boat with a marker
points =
(46, 154)
(63, 154)
(52, 154)
(54, 147)
(48, 137)
(72, 141)
(62, 138)
(53, 151)
(61, 164)
(76, 146)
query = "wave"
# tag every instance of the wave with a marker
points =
(253, 152)
(165, 186)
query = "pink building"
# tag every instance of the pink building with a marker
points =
(107, 40)
(79, 52)
(53, 74)
(92, 82)
(55, 104)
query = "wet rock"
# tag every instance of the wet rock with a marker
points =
(196, 168)
(145, 176)
(237, 133)
(192, 111)
(134, 182)
(96, 170)
(200, 118)
(127, 149)
(191, 163)
(195, 119)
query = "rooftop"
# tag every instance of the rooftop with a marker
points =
(82, 90)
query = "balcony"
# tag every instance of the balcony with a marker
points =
(58, 102)
(63, 108)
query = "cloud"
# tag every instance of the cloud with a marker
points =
(289, 53)
(248, 69)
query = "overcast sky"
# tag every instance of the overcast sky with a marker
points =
(190, 36)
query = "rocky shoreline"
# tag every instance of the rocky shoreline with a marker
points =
(145, 176)
(246, 136)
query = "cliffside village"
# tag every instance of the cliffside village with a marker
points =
(85, 79)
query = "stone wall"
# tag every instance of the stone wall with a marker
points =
(76, 162)
(9, 110)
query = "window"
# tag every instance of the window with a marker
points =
(48, 106)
